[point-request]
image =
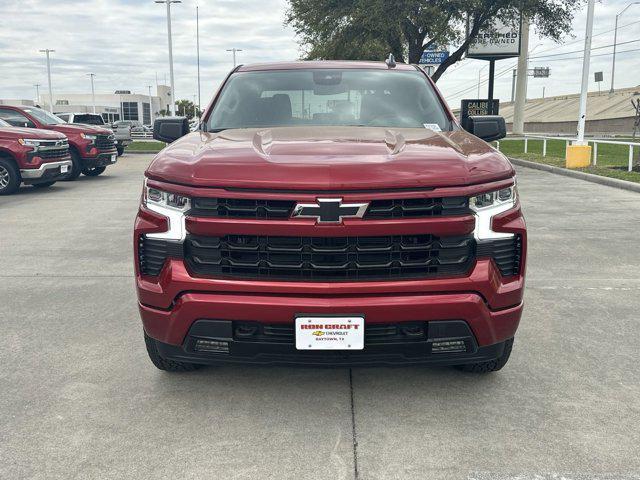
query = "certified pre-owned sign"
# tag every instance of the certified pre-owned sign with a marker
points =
(499, 40)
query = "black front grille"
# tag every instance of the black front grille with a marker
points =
(105, 142)
(404, 332)
(282, 209)
(506, 252)
(152, 254)
(418, 207)
(54, 153)
(242, 208)
(330, 258)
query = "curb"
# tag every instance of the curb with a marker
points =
(589, 177)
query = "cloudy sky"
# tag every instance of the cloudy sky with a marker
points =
(124, 43)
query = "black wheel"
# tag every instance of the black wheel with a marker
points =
(93, 172)
(76, 167)
(163, 363)
(491, 365)
(43, 184)
(120, 150)
(9, 177)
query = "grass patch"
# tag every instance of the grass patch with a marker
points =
(612, 159)
(143, 146)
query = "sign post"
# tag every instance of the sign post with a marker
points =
(598, 77)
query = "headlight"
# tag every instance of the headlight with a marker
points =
(89, 137)
(487, 205)
(171, 205)
(29, 142)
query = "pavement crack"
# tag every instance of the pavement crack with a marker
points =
(354, 434)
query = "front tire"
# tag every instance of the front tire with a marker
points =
(76, 166)
(93, 172)
(10, 178)
(163, 363)
(491, 365)
(120, 150)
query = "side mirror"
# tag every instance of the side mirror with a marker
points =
(170, 129)
(487, 127)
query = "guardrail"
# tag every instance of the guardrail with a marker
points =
(567, 140)
(141, 135)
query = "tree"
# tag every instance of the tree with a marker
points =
(185, 108)
(371, 29)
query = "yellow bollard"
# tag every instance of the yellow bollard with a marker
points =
(578, 156)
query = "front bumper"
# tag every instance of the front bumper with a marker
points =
(101, 160)
(384, 350)
(172, 325)
(46, 172)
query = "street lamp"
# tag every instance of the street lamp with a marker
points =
(234, 50)
(198, 51)
(173, 93)
(615, 41)
(37, 85)
(150, 105)
(48, 51)
(93, 93)
(479, 73)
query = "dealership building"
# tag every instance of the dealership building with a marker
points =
(120, 105)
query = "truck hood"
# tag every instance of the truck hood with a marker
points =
(71, 129)
(37, 133)
(329, 158)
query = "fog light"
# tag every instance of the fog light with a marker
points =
(448, 346)
(216, 346)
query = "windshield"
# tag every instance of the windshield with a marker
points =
(4, 124)
(88, 119)
(381, 98)
(43, 116)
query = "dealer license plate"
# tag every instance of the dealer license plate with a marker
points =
(64, 168)
(329, 333)
(113, 158)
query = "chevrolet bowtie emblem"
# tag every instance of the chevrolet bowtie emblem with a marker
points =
(329, 210)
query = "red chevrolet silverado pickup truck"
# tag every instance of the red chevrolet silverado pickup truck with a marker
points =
(92, 148)
(31, 156)
(330, 213)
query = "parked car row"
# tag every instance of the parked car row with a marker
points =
(122, 130)
(38, 148)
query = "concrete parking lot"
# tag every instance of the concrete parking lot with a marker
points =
(79, 398)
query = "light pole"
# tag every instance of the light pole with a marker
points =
(48, 51)
(234, 50)
(582, 117)
(479, 73)
(93, 92)
(173, 93)
(198, 52)
(615, 41)
(37, 85)
(150, 105)
(521, 80)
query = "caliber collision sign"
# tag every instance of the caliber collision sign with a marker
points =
(499, 41)
(474, 107)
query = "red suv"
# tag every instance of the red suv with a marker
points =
(330, 213)
(92, 148)
(33, 157)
